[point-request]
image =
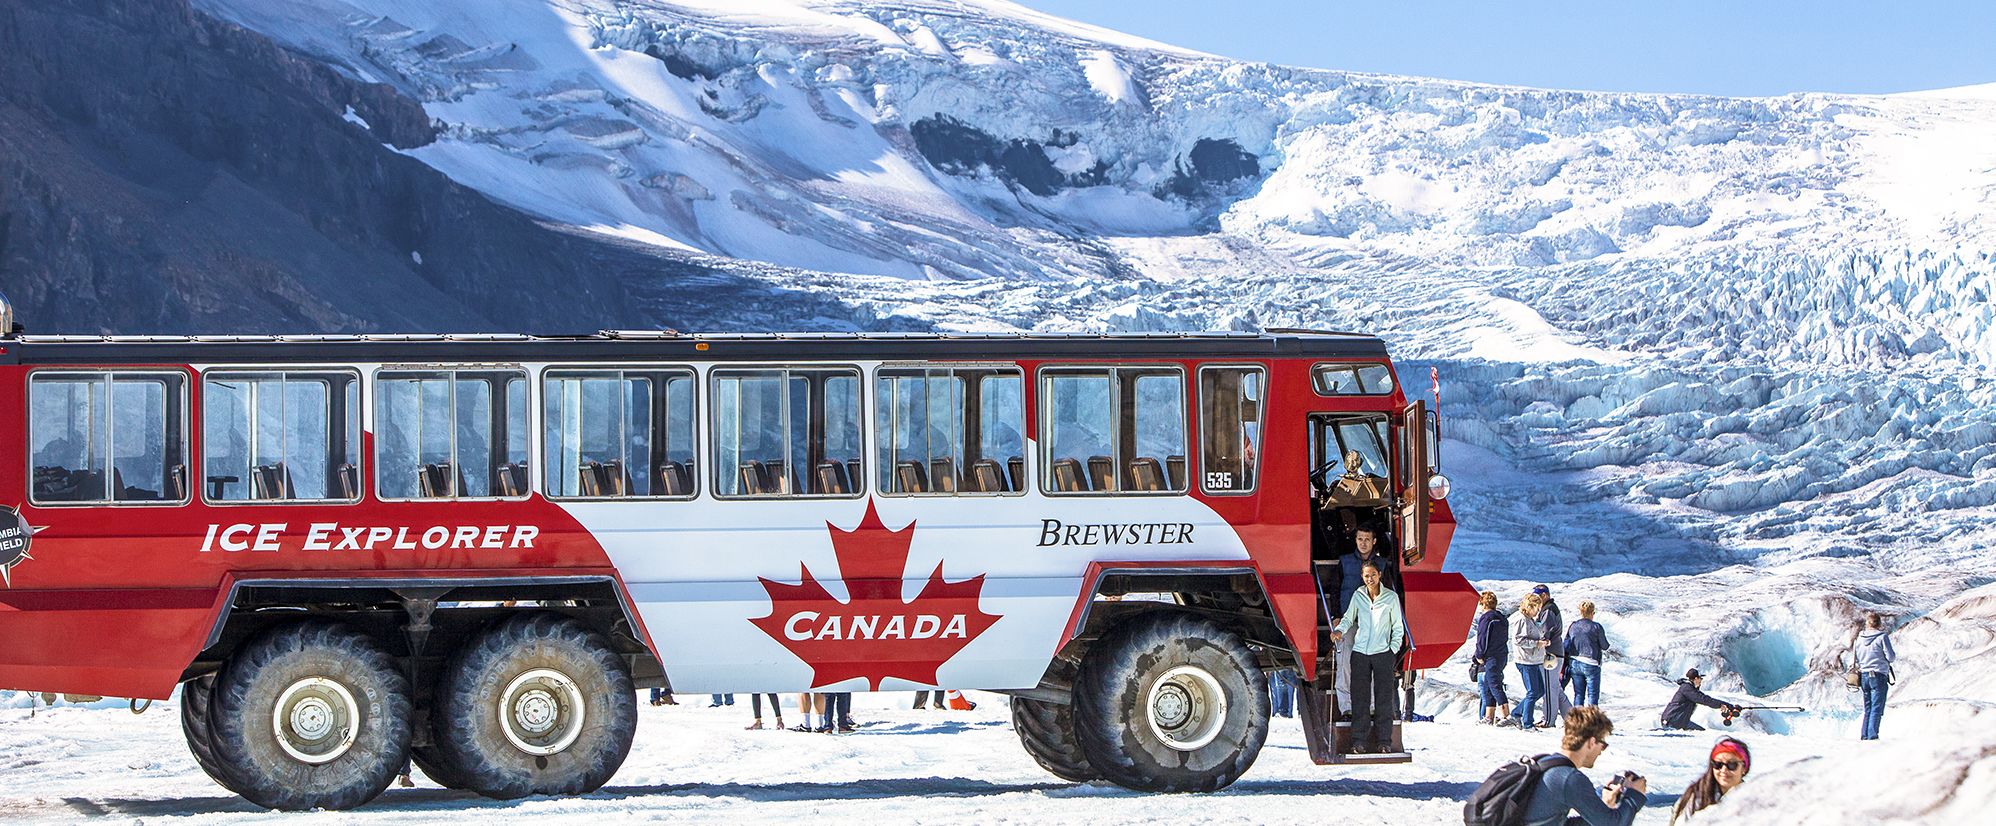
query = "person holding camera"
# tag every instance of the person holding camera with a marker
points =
(1565, 789)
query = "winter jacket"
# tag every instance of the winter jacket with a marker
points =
(1555, 643)
(1874, 652)
(1380, 625)
(1586, 641)
(1677, 713)
(1564, 788)
(1493, 633)
(1528, 638)
(1352, 575)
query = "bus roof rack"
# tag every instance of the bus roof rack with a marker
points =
(1308, 331)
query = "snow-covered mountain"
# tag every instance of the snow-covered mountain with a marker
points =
(1678, 333)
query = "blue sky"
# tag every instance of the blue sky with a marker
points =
(1742, 47)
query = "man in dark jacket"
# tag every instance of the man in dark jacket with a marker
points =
(1677, 713)
(1555, 699)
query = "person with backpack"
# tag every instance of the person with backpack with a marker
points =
(1586, 645)
(1874, 655)
(1528, 639)
(1493, 633)
(1544, 790)
(1730, 763)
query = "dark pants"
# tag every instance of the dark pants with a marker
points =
(838, 709)
(1873, 685)
(775, 705)
(1372, 700)
(922, 699)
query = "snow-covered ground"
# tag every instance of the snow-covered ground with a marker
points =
(695, 764)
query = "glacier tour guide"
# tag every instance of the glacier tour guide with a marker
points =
(1874, 668)
(1381, 629)
(1677, 713)
(1564, 789)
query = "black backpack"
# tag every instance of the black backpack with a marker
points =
(1502, 798)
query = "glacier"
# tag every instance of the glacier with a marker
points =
(1726, 367)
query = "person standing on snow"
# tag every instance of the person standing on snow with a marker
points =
(1677, 713)
(1377, 628)
(1874, 655)
(1493, 633)
(1555, 660)
(1730, 763)
(1528, 641)
(1586, 645)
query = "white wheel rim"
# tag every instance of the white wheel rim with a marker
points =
(316, 720)
(1186, 708)
(541, 711)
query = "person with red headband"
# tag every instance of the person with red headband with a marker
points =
(1730, 763)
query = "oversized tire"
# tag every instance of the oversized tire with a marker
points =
(310, 716)
(195, 695)
(537, 704)
(1170, 702)
(1047, 732)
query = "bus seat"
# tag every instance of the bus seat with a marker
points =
(1067, 475)
(513, 479)
(854, 476)
(830, 478)
(272, 481)
(615, 481)
(349, 477)
(776, 478)
(436, 480)
(1146, 474)
(1174, 471)
(1102, 472)
(672, 480)
(985, 477)
(942, 474)
(909, 477)
(750, 479)
(1016, 467)
(589, 480)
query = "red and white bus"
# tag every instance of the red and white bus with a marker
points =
(355, 551)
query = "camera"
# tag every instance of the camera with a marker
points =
(1622, 781)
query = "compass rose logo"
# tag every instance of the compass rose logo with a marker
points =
(16, 535)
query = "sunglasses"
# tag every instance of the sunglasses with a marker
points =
(1728, 765)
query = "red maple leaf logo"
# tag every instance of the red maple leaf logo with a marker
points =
(875, 634)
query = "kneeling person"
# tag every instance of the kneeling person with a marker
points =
(1565, 788)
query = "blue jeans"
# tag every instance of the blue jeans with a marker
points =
(1873, 685)
(1492, 684)
(724, 699)
(1282, 693)
(1535, 687)
(1586, 683)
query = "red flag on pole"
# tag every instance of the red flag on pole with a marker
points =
(1435, 384)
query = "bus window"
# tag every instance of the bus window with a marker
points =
(107, 437)
(1230, 413)
(783, 432)
(451, 434)
(280, 436)
(618, 433)
(1114, 429)
(947, 431)
(1353, 379)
